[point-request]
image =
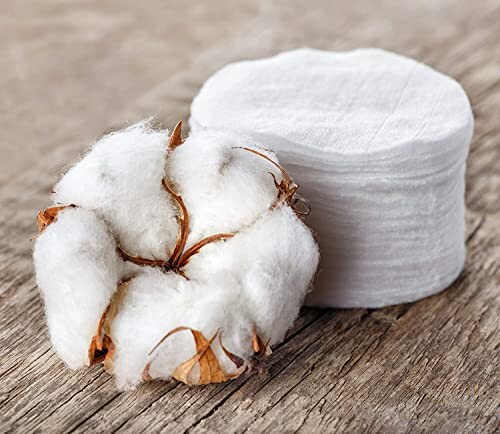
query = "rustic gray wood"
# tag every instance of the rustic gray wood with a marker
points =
(72, 70)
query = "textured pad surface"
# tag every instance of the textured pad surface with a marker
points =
(378, 143)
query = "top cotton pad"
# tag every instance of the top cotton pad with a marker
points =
(378, 143)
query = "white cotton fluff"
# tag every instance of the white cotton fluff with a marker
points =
(120, 179)
(77, 270)
(273, 258)
(252, 282)
(223, 185)
(158, 302)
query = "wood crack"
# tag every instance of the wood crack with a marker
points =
(105, 404)
(138, 415)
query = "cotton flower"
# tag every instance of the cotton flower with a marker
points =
(163, 258)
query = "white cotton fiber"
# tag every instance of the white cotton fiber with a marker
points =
(378, 144)
(120, 179)
(158, 302)
(245, 262)
(77, 270)
(224, 186)
(273, 260)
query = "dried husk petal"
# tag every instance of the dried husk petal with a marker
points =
(175, 138)
(237, 360)
(48, 215)
(195, 248)
(101, 348)
(210, 370)
(98, 350)
(287, 189)
(259, 347)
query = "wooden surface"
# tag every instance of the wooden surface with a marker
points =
(71, 70)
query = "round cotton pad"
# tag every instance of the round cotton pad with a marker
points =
(378, 143)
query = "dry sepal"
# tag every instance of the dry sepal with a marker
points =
(165, 258)
(46, 216)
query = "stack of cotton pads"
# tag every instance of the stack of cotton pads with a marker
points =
(378, 143)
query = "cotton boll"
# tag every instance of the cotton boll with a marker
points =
(156, 303)
(77, 270)
(223, 186)
(275, 260)
(239, 259)
(121, 179)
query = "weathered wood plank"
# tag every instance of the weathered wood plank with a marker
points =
(72, 70)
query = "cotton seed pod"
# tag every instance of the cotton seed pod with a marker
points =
(165, 258)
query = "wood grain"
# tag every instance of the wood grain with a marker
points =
(72, 70)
